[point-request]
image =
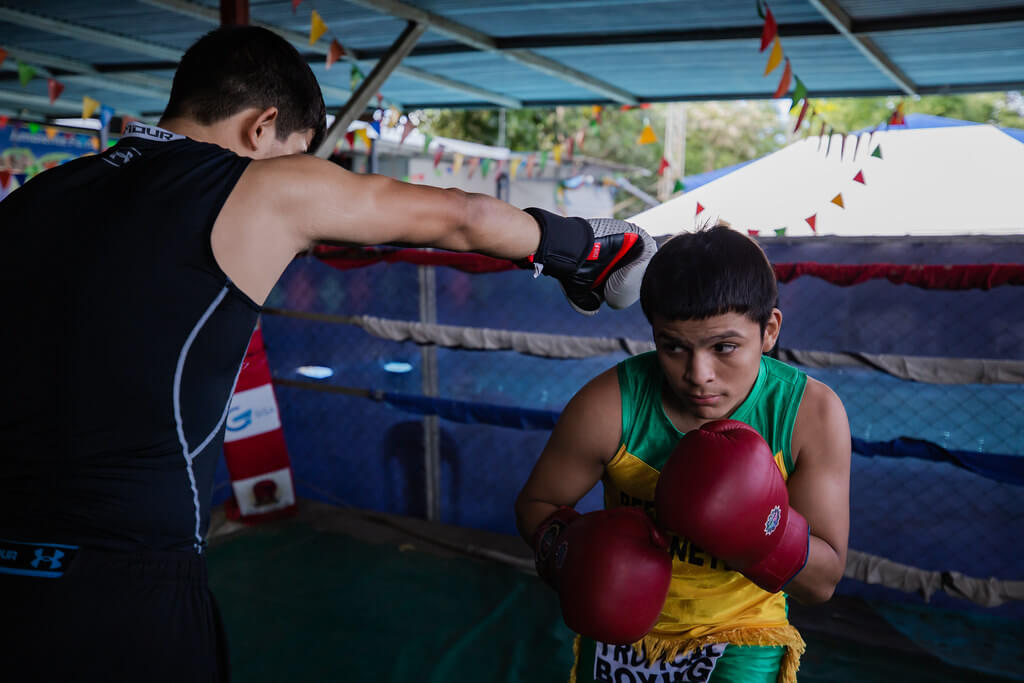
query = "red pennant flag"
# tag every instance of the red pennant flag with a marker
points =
(645, 105)
(3, 55)
(5, 179)
(55, 88)
(406, 129)
(800, 119)
(471, 167)
(753, 233)
(295, 5)
(811, 221)
(569, 148)
(334, 52)
(3, 121)
(663, 166)
(770, 29)
(438, 154)
(860, 177)
(350, 138)
(787, 75)
(700, 207)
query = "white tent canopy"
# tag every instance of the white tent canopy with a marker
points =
(930, 181)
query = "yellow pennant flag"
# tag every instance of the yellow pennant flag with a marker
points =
(513, 168)
(457, 162)
(775, 58)
(51, 132)
(838, 200)
(317, 28)
(556, 154)
(647, 135)
(89, 107)
(362, 135)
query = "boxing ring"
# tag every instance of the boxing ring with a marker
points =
(448, 371)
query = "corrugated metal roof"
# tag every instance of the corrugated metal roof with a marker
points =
(640, 50)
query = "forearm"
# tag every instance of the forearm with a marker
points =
(529, 515)
(493, 227)
(817, 580)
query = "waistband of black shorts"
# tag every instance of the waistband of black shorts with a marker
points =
(45, 560)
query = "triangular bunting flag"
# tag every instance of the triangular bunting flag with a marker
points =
(828, 147)
(700, 208)
(897, 116)
(799, 92)
(787, 75)
(457, 162)
(55, 88)
(295, 5)
(838, 201)
(5, 179)
(753, 233)
(25, 73)
(800, 119)
(664, 165)
(543, 162)
(406, 129)
(426, 142)
(556, 154)
(485, 167)
(355, 77)
(877, 152)
(570, 148)
(859, 178)
(33, 128)
(530, 161)
(3, 121)
(811, 222)
(106, 113)
(780, 232)
(438, 154)
(513, 168)
(364, 137)
(775, 58)
(647, 135)
(350, 137)
(678, 187)
(3, 56)
(51, 132)
(317, 28)
(375, 124)
(821, 135)
(89, 107)
(474, 163)
(334, 52)
(596, 109)
(770, 29)
(760, 8)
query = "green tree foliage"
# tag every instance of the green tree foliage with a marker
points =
(1001, 109)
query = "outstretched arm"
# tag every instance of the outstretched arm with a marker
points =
(819, 489)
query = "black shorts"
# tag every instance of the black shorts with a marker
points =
(106, 616)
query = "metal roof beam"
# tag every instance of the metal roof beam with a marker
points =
(369, 87)
(838, 17)
(144, 85)
(87, 34)
(482, 41)
(62, 106)
(301, 41)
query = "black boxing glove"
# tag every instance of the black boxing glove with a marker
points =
(602, 259)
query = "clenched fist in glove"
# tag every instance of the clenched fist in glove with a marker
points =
(722, 490)
(595, 260)
(611, 569)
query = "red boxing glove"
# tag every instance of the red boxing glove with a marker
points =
(611, 569)
(722, 490)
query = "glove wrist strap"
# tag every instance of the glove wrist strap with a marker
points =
(564, 243)
(545, 541)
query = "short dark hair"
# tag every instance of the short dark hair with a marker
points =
(709, 272)
(233, 68)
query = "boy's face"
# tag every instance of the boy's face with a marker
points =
(711, 365)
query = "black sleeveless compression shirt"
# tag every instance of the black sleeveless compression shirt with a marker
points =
(121, 342)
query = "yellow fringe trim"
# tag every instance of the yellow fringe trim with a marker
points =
(667, 647)
(575, 658)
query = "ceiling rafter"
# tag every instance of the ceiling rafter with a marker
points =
(301, 41)
(838, 17)
(481, 41)
(75, 71)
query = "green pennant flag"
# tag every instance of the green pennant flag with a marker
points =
(760, 10)
(543, 161)
(799, 92)
(426, 142)
(485, 168)
(355, 76)
(405, 179)
(679, 187)
(877, 152)
(34, 128)
(780, 232)
(25, 73)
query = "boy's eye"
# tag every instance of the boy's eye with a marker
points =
(725, 348)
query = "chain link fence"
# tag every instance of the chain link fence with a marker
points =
(351, 448)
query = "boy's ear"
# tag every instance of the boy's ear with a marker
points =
(771, 331)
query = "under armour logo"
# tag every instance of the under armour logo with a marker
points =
(54, 559)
